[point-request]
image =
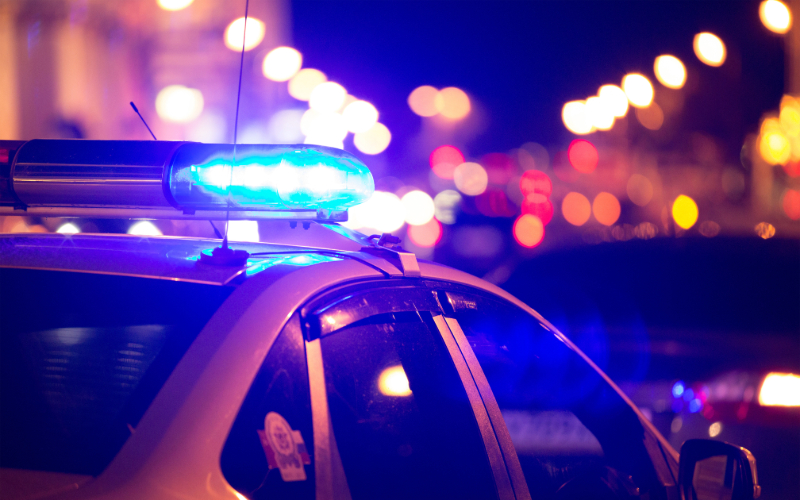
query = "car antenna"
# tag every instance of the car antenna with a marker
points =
(224, 255)
(145, 123)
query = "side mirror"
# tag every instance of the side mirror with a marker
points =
(713, 470)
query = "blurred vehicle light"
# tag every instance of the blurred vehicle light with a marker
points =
(780, 389)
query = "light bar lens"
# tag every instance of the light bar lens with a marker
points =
(280, 177)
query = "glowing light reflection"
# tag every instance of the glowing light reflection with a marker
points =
(394, 382)
(780, 389)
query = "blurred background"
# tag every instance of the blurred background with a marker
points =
(629, 169)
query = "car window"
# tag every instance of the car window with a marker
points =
(573, 434)
(82, 356)
(274, 418)
(401, 416)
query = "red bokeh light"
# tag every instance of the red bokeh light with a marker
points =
(427, 235)
(535, 181)
(528, 230)
(583, 156)
(499, 166)
(791, 204)
(444, 161)
(537, 204)
(792, 169)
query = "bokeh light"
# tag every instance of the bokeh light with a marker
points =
(323, 127)
(234, 34)
(422, 101)
(576, 118)
(426, 235)
(174, 5)
(68, 228)
(383, 213)
(373, 141)
(615, 99)
(419, 207)
(651, 117)
(144, 228)
(179, 104)
(709, 49)
(537, 204)
(684, 211)
(606, 208)
(600, 113)
(446, 205)
(765, 230)
(471, 178)
(528, 230)
(284, 126)
(535, 181)
(670, 71)
(304, 82)
(640, 190)
(791, 204)
(576, 209)
(638, 89)
(282, 63)
(327, 96)
(714, 429)
(774, 147)
(393, 382)
(243, 230)
(453, 103)
(444, 160)
(359, 116)
(776, 16)
(582, 156)
(780, 389)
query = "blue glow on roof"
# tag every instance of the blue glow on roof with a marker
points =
(204, 177)
(257, 264)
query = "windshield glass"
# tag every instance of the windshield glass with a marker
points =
(82, 356)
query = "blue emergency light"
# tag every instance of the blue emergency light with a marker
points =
(161, 179)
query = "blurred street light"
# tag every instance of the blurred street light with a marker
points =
(373, 141)
(670, 71)
(638, 89)
(576, 118)
(235, 33)
(776, 16)
(304, 82)
(615, 99)
(709, 49)
(179, 104)
(174, 4)
(282, 63)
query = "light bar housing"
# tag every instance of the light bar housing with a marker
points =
(180, 180)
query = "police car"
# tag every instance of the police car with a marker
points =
(335, 366)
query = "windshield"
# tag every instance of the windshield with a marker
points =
(82, 356)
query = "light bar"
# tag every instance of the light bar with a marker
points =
(160, 179)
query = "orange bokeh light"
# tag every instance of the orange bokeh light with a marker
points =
(582, 156)
(537, 204)
(576, 209)
(535, 181)
(528, 230)
(426, 235)
(791, 204)
(606, 208)
(444, 161)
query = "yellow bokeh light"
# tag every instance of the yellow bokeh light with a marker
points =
(471, 178)
(780, 389)
(765, 230)
(684, 211)
(709, 49)
(234, 34)
(327, 96)
(790, 116)
(419, 207)
(776, 16)
(670, 71)
(615, 98)
(282, 63)
(422, 101)
(373, 141)
(576, 208)
(651, 117)
(576, 118)
(174, 4)
(359, 116)
(640, 189)
(775, 147)
(304, 82)
(179, 104)
(606, 208)
(453, 103)
(638, 89)
(600, 113)
(394, 382)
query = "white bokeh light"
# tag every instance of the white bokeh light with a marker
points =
(243, 230)
(282, 63)
(419, 207)
(179, 104)
(327, 96)
(382, 213)
(576, 119)
(373, 141)
(68, 228)
(234, 34)
(471, 178)
(174, 5)
(360, 116)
